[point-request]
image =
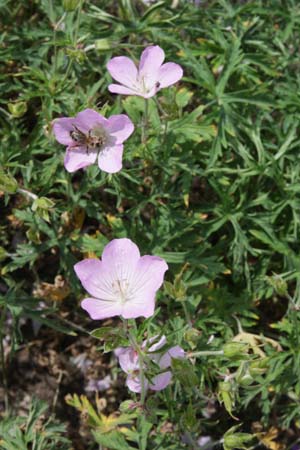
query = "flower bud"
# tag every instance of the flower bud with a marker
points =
(7, 183)
(17, 109)
(237, 441)
(259, 367)
(278, 284)
(70, 5)
(192, 336)
(235, 349)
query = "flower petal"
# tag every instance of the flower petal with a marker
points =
(157, 345)
(151, 60)
(62, 128)
(90, 266)
(96, 280)
(119, 89)
(123, 70)
(101, 309)
(120, 257)
(143, 284)
(139, 305)
(87, 119)
(120, 127)
(169, 74)
(174, 352)
(129, 360)
(133, 383)
(110, 159)
(149, 275)
(161, 381)
(78, 157)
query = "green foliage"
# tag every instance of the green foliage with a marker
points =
(213, 188)
(34, 432)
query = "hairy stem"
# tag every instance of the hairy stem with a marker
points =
(206, 353)
(2, 357)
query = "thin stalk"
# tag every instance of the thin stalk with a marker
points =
(206, 353)
(145, 121)
(186, 313)
(3, 368)
(137, 348)
(27, 193)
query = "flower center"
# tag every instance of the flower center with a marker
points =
(120, 288)
(94, 140)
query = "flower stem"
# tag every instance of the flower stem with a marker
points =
(145, 121)
(206, 353)
(139, 351)
(27, 193)
(2, 356)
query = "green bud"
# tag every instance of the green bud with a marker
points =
(259, 367)
(278, 284)
(234, 441)
(33, 236)
(70, 5)
(103, 44)
(41, 206)
(17, 109)
(234, 350)
(128, 406)
(226, 396)
(7, 183)
(192, 337)
(42, 203)
(245, 379)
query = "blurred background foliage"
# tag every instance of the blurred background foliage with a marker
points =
(214, 189)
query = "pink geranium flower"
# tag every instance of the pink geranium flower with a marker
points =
(129, 362)
(151, 75)
(89, 136)
(123, 283)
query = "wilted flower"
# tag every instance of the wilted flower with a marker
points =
(123, 283)
(99, 385)
(89, 136)
(130, 363)
(151, 75)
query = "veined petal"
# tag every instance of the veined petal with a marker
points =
(123, 70)
(120, 127)
(169, 74)
(96, 280)
(110, 158)
(161, 381)
(139, 305)
(62, 128)
(149, 274)
(100, 309)
(78, 157)
(151, 60)
(120, 257)
(119, 89)
(87, 119)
